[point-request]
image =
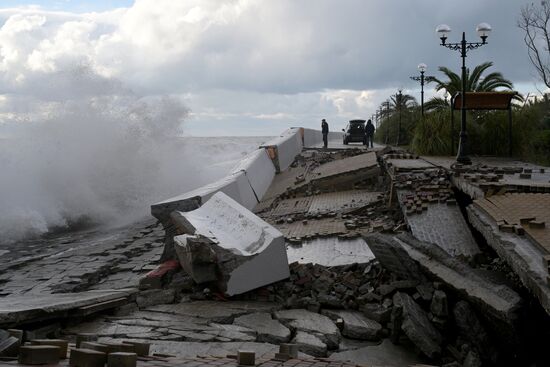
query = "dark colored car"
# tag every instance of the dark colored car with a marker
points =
(355, 132)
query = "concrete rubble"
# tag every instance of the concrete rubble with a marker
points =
(406, 283)
(227, 244)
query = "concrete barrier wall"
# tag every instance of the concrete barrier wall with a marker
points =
(285, 148)
(235, 185)
(259, 171)
(248, 182)
(312, 137)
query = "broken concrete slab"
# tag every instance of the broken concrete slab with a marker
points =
(250, 253)
(311, 322)
(416, 325)
(393, 257)
(217, 312)
(101, 328)
(267, 329)
(33, 307)
(155, 297)
(331, 251)
(377, 312)
(356, 325)
(443, 225)
(519, 252)
(470, 328)
(310, 344)
(497, 301)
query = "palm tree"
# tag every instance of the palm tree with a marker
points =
(475, 82)
(436, 103)
(398, 103)
(402, 101)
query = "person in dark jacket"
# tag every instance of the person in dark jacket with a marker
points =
(369, 132)
(324, 130)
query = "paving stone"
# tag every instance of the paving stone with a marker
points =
(267, 329)
(94, 346)
(246, 358)
(62, 344)
(121, 359)
(142, 349)
(9, 347)
(85, 337)
(38, 354)
(87, 358)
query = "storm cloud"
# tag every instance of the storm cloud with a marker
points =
(254, 67)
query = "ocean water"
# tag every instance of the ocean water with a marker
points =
(55, 181)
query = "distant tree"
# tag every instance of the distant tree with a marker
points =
(535, 22)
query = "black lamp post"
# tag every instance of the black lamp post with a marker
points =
(463, 47)
(398, 102)
(422, 68)
(387, 104)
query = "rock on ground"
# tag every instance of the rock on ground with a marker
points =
(416, 325)
(268, 330)
(310, 344)
(303, 320)
(356, 325)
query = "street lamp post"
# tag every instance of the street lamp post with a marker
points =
(422, 68)
(399, 98)
(387, 103)
(463, 47)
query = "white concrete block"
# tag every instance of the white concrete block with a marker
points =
(285, 148)
(259, 171)
(259, 248)
(235, 185)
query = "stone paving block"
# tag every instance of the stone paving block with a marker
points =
(38, 354)
(100, 347)
(85, 337)
(9, 346)
(246, 358)
(121, 359)
(62, 344)
(87, 358)
(142, 349)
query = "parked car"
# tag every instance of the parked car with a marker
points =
(355, 132)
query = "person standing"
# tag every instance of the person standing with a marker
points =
(369, 131)
(324, 130)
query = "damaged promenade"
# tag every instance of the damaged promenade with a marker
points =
(305, 257)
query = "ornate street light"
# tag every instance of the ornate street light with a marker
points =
(422, 68)
(463, 47)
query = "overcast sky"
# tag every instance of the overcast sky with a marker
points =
(250, 67)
